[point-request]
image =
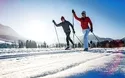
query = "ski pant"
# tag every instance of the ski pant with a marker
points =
(68, 39)
(85, 38)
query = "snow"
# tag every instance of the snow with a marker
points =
(59, 63)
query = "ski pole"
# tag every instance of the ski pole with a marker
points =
(73, 26)
(57, 36)
(97, 39)
(78, 39)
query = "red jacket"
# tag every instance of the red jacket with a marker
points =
(84, 22)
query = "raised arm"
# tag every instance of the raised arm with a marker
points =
(74, 14)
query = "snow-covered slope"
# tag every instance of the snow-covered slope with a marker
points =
(8, 34)
(55, 63)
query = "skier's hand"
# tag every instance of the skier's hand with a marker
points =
(91, 29)
(73, 11)
(74, 31)
(53, 21)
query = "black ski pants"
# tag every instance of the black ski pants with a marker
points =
(68, 39)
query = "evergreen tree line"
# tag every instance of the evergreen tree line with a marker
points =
(6, 45)
(33, 44)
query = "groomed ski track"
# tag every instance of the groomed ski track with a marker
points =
(54, 64)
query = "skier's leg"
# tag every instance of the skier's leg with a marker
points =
(70, 39)
(86, 32)
(73, 45)
(67, 39)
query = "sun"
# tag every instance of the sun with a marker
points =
(36, 29)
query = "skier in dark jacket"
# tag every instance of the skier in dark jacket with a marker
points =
(65, 25)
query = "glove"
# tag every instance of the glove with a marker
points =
(53, 21)
(91, 29)
(73, 11)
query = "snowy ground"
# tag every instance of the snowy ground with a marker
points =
(55, 63)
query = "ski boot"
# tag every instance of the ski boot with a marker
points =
(67, 48)
(86, 49)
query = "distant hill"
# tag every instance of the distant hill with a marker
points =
(8, 34)
(123, 39)
(91, 38)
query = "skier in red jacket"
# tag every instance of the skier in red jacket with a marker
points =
(85, 21)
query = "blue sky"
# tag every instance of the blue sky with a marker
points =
(33, 18)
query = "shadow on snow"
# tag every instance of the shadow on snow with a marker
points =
(98, 74)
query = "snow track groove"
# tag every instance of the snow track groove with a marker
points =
(8, 56)
(44, 65)
(66, 67)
